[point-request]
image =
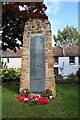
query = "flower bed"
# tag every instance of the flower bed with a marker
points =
(33, 99)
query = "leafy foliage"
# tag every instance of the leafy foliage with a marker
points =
(33, 102)
(78, 73)
(72, 76)
(68, 37)
(10, 74)
(71, 79)
(14, 16)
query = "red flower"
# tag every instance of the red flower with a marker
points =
(41, 100)
(21, 98)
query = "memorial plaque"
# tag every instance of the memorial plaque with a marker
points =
(37, 63)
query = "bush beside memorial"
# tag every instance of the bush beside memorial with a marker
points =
(10, 75)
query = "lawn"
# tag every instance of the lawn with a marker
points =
(64, 105)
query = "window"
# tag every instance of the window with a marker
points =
(71, 60)
(56, 60)
(8, 60)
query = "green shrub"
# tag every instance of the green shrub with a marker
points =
(58, 77)
(72, 76)
(18, 72)
(78, 73)
(0, 76)
(10, 74)
(71, 79)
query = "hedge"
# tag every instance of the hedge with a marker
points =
(10, 74)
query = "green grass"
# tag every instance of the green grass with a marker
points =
(64, 105)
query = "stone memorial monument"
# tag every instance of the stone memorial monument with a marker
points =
(37, 72)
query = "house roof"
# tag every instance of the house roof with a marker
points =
(66, 51)
(11, 54)
(57, 51)
(71, 51)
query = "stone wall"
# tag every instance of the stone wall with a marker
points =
(37, 26)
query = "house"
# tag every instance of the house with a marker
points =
(66, 60)
(11, 59)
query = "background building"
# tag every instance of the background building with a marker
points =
(11, 59)
(66, 60)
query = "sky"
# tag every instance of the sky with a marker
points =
(61, 14)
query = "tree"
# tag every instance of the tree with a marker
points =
(68, 37)
(14, 18)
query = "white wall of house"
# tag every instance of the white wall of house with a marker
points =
(13, 62)
(64, 68)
